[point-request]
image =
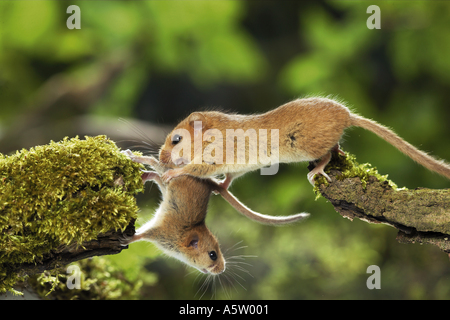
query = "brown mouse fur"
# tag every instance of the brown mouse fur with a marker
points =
(309, 129)
(178, 226)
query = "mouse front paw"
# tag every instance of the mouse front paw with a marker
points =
(128, 153)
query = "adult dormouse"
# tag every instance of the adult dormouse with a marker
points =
(309, 129)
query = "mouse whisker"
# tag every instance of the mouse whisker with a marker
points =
(191, 272)
(232, 283)
(234, 275)
(237, 275)
(243, 270)
(200, 288)
(204, 286)
(145, 139)
(145, 146)
(239, 264)
(214, 287)
(239, 248)
(240, 257)
(237, 243)
(230, 279)
(227, 295)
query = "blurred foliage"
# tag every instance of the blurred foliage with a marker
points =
(99, 280)
(248, 57)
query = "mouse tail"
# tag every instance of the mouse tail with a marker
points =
(261, 218)
(417, 155)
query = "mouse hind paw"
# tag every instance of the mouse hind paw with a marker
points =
(319, 169)
(311, 175)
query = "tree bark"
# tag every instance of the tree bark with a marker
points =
(421, 215)
(105, 244)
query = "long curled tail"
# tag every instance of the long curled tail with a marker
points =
(262, 218)
(417, 155)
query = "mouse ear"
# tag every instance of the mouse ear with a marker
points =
(197, 116)
(194, 243)
(192, 240)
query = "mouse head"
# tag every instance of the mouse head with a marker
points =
(180, 141)
(200, 250)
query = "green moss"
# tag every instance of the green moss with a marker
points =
(350, 168)
(61, 193)
(99, 280)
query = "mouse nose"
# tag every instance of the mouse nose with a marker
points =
(218, 269)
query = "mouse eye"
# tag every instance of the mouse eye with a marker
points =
(176, 139)
(213, 255)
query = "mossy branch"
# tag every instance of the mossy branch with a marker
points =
(105, 244)
(358, 191)
(63, 202)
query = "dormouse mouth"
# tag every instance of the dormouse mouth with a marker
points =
(215, 269)
(205, 270)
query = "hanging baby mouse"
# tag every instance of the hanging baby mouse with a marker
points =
(308, 129)
(178, 226)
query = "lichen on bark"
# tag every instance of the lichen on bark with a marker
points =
(359, 191)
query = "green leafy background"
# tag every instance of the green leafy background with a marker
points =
(248, 57)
